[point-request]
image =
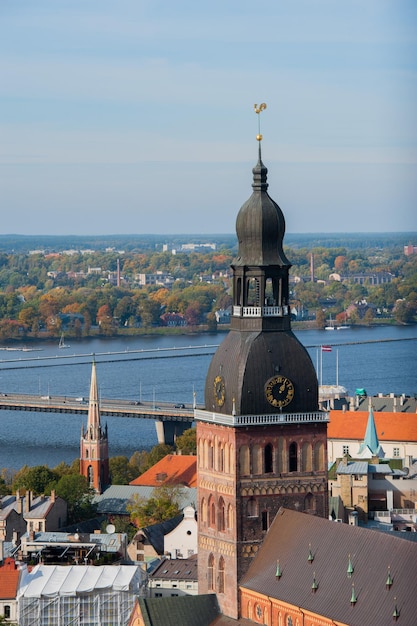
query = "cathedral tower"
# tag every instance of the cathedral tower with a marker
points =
(94, 449)
(261, 439)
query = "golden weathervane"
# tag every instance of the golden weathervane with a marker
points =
(258, 109)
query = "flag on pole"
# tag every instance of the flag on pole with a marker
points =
(326, 348)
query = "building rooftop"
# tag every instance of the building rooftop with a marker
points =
(173, 469)
(177, 569)
(336, 549)
(389, 426)
(114, 500)
(9, 580)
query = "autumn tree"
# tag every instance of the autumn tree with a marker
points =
(163, 505)
(187, 442)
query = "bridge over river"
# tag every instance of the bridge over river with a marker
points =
(170, 421)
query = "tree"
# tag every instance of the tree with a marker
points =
(39, 479)
(74, 489)
(163, 505)
(157, 453)
(187, 442)
(121, 471)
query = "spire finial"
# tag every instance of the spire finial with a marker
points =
(258, 109)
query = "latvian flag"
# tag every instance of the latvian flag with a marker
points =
(326, 348)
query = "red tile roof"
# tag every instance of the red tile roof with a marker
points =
(9, 578)
(389, 426)
(173, 469)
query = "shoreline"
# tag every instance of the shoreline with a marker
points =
(168, 331)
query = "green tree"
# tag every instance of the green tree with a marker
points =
(39, 479)
(163, 505)
(121, 471)
(187, 442)
(74, 489)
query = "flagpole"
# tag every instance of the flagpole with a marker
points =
(337, 368)
(321, 366)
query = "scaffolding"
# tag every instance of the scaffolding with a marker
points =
(79, 595)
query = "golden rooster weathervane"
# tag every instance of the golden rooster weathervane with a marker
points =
(258, 109)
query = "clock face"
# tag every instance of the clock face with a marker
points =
(219, 390)
(279, 391)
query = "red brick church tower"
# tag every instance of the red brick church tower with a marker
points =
(261, 439)
(94, 449)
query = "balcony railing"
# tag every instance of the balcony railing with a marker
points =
(260, 311)
(259, 420)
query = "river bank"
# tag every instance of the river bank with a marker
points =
(167, 331)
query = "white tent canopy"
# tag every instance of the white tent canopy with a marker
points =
(74, 580)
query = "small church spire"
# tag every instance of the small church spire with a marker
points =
(94, 453)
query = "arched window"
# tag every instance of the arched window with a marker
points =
(221, 575)
(239, 291)
(200, 453)
(212, 512)
(86, 453)
(293, 460)
(203, 511)
(269, 293)
(229, 520)
(227, 458)
(7, 611)
(252, 507)
(306, 457)
(265, 520)
(221, 515)
(210, 455)
(210, 573)
(257, 459)
(268, 459)
(244, 460)
(221, 458)
(309, 502)
(205, 453)
(319, 456)
(90, 475)
(253, 292)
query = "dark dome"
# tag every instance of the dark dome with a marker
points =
(247, 361)
(260, 225)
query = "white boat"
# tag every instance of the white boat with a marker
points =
(62, 343)
(331, 324)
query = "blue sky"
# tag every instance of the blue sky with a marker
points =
(137, 116)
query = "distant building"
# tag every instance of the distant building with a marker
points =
(410, 249)
(174, 577)
(20, 514)
(396, 433)
(9, 581)
(158, 278)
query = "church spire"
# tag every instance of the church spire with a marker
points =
(94, 453)
(93, 421)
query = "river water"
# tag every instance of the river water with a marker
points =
(170, 369)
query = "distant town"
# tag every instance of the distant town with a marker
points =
(147, 284)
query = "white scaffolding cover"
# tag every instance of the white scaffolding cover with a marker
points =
(73, 580)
